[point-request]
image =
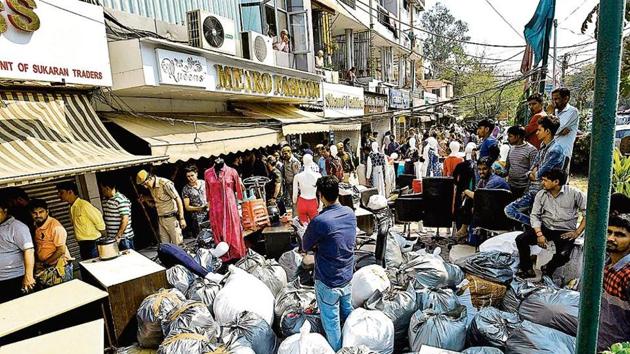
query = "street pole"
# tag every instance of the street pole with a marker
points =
(555, 51)
(607, 71)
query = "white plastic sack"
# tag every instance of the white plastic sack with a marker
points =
(505, 243)
(305, 343)
(377, 202)
(366, 281)
(243, 292)
(370, 328)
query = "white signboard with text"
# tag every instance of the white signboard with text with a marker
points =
(343, 100)
(181, 69)
(54, 41)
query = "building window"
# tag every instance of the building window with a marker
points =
(270, 17)
(252, 18)
(351, 3)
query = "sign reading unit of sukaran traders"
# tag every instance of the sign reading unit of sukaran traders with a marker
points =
(55, 41)
(235, 79)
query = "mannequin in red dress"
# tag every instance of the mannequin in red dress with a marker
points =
(222, 188)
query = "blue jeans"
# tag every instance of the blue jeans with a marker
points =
(519, 209)
(126, 244)
(335, 305)
(87, 249)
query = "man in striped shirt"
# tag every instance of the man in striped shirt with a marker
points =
(117, 215)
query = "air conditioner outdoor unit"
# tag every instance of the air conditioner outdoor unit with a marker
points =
(212, 32)
(257, 47)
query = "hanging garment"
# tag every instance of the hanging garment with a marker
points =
(376, 171)
(224, 219)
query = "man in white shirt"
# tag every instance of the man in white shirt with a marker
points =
(569, 120)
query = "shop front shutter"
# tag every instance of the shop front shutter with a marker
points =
(58, 209)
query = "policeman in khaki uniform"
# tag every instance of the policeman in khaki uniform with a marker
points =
(168, 205)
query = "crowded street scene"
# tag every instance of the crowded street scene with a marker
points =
(314, 177)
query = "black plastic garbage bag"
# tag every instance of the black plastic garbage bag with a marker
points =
(153, 309)
(363, 259)
(441, 330)
(192, 317)
(394, 257)
(294, 295)
(272, 274)
(290, 261)
(532, 338)
(438, 300)
(251, 261)
(251, 330)
(558, 309)
(399, 306)
(491, 327)
(294, 317)
(207, 260)
(205, 291)
(429, 270)
(519, 289)
(482, 350)
(361, 349)
(180, 277)
(492, 266)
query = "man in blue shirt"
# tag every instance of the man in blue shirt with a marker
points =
(332, 235)
(484, 132)
(487, 180)
(551, 155)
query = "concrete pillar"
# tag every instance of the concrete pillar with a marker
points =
(349, 49)
(89, 186)
(401, 71)
(386, 63)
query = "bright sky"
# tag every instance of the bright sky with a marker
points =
(486, 26)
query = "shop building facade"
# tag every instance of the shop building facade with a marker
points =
(50, 65)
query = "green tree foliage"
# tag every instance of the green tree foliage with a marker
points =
(445, 53)
(448, 60)
(624, 84)
(582, 83)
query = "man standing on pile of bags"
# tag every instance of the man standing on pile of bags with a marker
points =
(332, 234)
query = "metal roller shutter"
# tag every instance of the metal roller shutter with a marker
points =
(58, 209)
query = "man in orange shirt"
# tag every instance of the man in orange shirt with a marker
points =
(535, 103)
(53, 260)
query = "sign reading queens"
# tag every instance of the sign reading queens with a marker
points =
(54, 41)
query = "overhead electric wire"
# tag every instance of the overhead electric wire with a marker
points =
(504, 19)
(409, 26)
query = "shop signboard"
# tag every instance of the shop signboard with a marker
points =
(343, 101)
(429, 99)
(249, 81)
(181, 69)
(54, 41)
(399, 99)
(375, 103)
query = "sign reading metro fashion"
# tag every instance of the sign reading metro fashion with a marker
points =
(54, 41)
(235, 79)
